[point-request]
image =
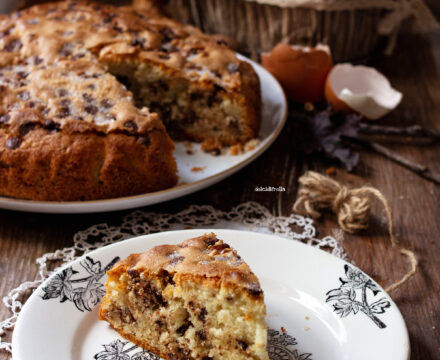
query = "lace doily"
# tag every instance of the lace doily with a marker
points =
(247, 216)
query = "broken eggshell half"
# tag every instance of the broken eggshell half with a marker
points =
(360, 89)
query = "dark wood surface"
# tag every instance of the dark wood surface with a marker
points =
(414, 69)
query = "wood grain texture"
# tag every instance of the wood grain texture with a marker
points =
(414, 69)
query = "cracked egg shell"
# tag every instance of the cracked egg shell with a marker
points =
(360, 89)
(301, 70)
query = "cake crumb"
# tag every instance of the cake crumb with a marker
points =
(236, 149)
(212, 146)
(239, 149)
(306, 328)
(251, 145)
(283, 330)
(307, 318)
(198, 168)
(188, 147)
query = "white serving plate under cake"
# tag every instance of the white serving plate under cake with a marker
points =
(196, 171)
(318, 306)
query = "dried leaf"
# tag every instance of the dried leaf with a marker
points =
(323, 132)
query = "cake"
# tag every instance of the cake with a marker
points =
(86, 90)
(198, 301)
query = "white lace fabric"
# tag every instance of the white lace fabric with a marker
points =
(247, 216)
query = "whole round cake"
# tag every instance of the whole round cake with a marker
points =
(87, 88)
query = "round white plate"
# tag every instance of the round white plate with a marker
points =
(210, 169)
(318, 306)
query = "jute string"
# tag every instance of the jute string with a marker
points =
(351, 206)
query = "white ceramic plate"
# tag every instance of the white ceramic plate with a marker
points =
(329, 309)
(212, 168)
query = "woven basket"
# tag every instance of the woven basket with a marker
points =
(352, 28)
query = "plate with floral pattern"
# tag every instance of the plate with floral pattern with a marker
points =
(318, 306)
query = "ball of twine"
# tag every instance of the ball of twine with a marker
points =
(351, 206)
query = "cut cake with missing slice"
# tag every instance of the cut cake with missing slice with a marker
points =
(197, 300)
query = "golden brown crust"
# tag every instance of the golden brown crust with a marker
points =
(83, 166)
(69, 129)
(198, 259)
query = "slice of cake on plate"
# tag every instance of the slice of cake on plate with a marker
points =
(196, 300)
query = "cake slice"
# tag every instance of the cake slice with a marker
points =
(197, 300)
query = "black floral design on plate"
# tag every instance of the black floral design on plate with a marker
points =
(352, 296)
(280, 347)
(120, 350)
(90, 290)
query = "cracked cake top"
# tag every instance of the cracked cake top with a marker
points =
(53, 73)
(204, 256)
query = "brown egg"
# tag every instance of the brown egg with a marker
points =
(300, 70)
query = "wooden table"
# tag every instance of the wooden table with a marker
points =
(415, 70)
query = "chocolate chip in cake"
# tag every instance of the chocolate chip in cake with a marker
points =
(14, 45)
(210, 241)
(194, 51)
(182, 330)
(117, 28)
(87, 97)
(145, 140)
(4, 119)
(202, 315)
(233, 67)
(220, 247)
(63, 112)
(65, 102)
(176, 260)
(130, 124)
(164, 56)
(106, 103)
(24, 95)
(138, 42)
(168, 34)
(207, 358)
(13, 143)
(91, 109)
(108, 19)
(22, 74)
(37, 60)
(6, 32)
(133, 273)
(159, 323)
(211, 100)
(254, 290)
(71, 5)
(232, 122)
(91, 86)
(197, 95)
(26, 128)
(62, 92)
(51, 125)
(201, 335)
(243, 344)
